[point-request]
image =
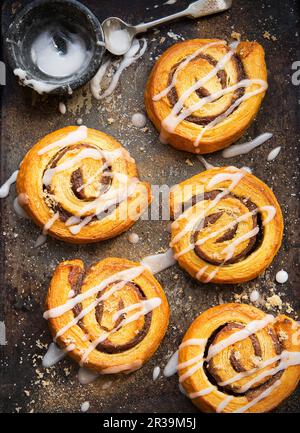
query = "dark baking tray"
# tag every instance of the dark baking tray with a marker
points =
(25, 272)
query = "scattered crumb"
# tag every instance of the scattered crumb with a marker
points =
(189, 162)
(236, 36)
(282, 335)
(237, 355)
(274, 301)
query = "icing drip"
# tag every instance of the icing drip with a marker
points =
(39, 86)
(156, 372)
(4, 189)
(274, 153)
(134, 53)
(242, 149)
(86, 376)
(171, 367)
(18, 209)
(43, 237)
(205, 164)
(55, 354)
(85, 406)
(139, 120)
(282, 277)
(159, 262)
(133, 238)
(62, 108)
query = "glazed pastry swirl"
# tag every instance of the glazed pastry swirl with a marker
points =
(113, 315)
(235, 358)
(228, 225)
(202, 94)
(81, 185)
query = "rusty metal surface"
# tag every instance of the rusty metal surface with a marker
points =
(25, 272)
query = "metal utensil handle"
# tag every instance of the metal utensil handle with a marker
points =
(208, 7)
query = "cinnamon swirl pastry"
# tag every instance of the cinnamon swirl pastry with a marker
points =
(228, 225)
(110, 318)
(80, 185)
(236, 358)
(202, 94)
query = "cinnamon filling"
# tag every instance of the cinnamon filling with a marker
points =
(203, 92)
(76, 281)
(228, 235)
(76, 183)
(240, 361)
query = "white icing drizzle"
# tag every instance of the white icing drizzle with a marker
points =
(95, 83)
(134, 53)
(122, 277)
(156, 372)
(73, 137)
(230, 249)
(179, 113)
(269, 213)
(43, 236)
(158, 262)
(147, 306)
(286, 359)
(201, 393)
(126, 368)
(4, 189)
(260, 397)
(250, 329)
(245, 97)
(165, 91)
(242, 149)
(83, 154)
(274, 153)
(224, 403)
(107, 200)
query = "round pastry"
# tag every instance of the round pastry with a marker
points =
(236, 358)
(110, 318)
(80, 185)
(228, 225)
(202, 93)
